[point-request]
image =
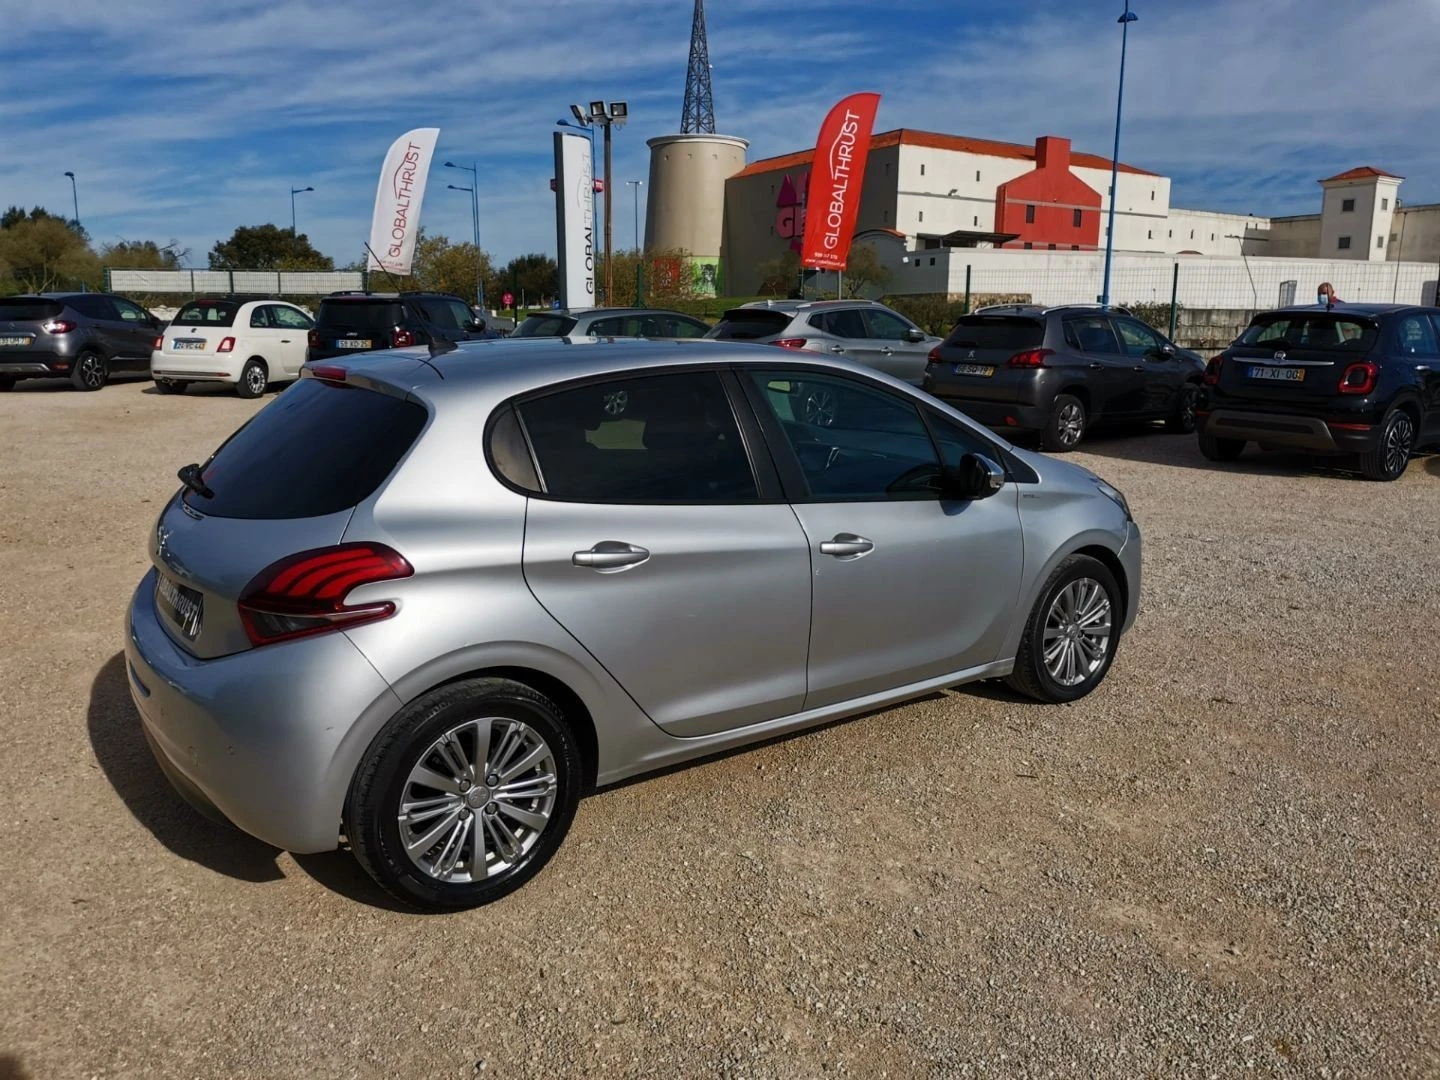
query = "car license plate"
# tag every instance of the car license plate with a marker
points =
(185, 606)
(1278, 374)
(188, 345)
(16, 340)
(984, 370)
(353, 343)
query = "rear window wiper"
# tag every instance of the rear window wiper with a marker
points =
(190, 477)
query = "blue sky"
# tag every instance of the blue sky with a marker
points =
(184, 125)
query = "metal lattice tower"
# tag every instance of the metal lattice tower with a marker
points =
(699, 111)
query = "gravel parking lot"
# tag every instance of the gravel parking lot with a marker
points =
(1220, 864)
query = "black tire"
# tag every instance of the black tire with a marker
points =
(254, 377)
(7, 382)
(1031, 676)
(373, 806)
(1066, 425)
(1213, 449)
(1182, 420)
(91, 371)
(170, 386)
(1389, 457)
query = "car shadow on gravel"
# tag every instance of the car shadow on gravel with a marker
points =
(11, 1068)
(63, 386)
(1183, 452)
(198, 390)
(121, 750)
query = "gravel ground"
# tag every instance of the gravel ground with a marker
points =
(1219, 864)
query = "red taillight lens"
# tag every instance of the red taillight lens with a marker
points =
(1360, 378)
(314, 338)
(400, 338)
(305, 593)
(1030, 358)
(1212, 371)
(789, 342)
(933, 357)
(58, 326)
(328, 372)
(226, 344)
(158, 344)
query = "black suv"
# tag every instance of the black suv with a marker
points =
(350, 322)
(82, 337)
(1057, 370)
(1360, 379)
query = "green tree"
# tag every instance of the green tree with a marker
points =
(779, 276)
(143, 255)
(534, 278)
(267, 247)
(864, 271)
(40, 252)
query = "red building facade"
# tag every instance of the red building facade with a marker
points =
(1049, 208)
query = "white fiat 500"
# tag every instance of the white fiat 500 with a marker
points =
(251, 343)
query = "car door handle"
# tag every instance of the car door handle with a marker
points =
(846, 545)
(1138, 367)
(284, 341)
(887, 351)
(610, 555)
(837, 348)
(1095, 365)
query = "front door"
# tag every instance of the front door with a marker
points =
(888, 350)
(136, 330)
(291, 330)
(1161, 373)
(908, 586)
(650, 544)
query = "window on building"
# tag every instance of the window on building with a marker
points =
(1347, 206)
(1344, 243)
(885, 216)
(1152, 196)
(1192, 234)
(1074, 247)
(1380, 241)
(1030, 215)
(1212, 237)
(1169, 234)
(1050, 246)
(887, 168)
(976, 221)
(922, 215)
(932, 260)
(922, 168)
(1028, 245)
(1393, 238)
(1384, 204)
(1149, 235)
(1075, 218)
(977, 176)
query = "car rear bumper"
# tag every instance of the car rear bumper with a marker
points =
(1287, 432)
(1001, 415)
(195, 366)
(261, 737)
(42, 363)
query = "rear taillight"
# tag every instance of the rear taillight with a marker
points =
(933, 357)
(400, 338)
(789, 342)
(158, 344)
(58, 326)
(1360, 378)
(305, 593)
(1212, 371)
(314, 338)
(1030, 358)
(226, 344)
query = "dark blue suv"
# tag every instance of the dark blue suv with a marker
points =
(1348, 379)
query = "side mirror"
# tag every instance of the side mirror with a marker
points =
(476, 324)
(976, 477)
(914, 335)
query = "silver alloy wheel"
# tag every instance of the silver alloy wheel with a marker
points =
(255, 379)
(478, 800)
(819, 407)
(1187, 407)
(1071, 424)
(92, 371)
(1398, 438)
(1077, 632)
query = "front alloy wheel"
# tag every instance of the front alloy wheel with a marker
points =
(1072, 633)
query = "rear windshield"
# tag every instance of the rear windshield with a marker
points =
(1298, 332)
(206, 313)
(1004, 332)
(21, 308)
(349, 440)
(544, 326)
(359, 314)
(748, 324)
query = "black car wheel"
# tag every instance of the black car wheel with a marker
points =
(1066, 425)
(1072, 633)
(254, 377)
(1213, 449)
(91, 371)
(1182, 420)
(465, 794)
(1391, 454)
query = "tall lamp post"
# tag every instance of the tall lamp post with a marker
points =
(293, 192)
(1125, 20)
(75, 197)
(604, 116)
(474, 190)
(635, 186)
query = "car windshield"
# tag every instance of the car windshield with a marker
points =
(1003, 332)
(748, 324)
(1290, 331)
(207, 313)
(26, 308)
(545, 326)
(376, 314)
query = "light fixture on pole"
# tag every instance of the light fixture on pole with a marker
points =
(293, 192)
(603, 116)
(75, 197)
(474, 189)
(1125, 20)
(636, 185)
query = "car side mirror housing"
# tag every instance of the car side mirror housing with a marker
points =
(914, 335)
(976, 477)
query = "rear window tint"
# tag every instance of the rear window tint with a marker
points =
(22, 308)
(747, 324)
(996, 332)
(1293, 332)
(359, 314)
(545, 326)
(348, 439)
(206, 313)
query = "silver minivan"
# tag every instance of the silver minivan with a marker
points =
(495, 586)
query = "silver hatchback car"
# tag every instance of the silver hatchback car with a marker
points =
(492, 587)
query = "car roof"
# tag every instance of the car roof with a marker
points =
(353, 295)
(804, 305)
(1343, 308)
(607, 312)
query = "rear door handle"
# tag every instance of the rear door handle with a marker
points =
(1095, 365)
(1138, 367)
(846, 545)
(284, 341)
(609, 555)
(887, 351)
(837, 348)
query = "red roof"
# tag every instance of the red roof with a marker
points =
(937, 141)
(1364, 172)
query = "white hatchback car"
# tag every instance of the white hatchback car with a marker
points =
(250, 343)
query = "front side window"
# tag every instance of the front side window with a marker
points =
(643, 439)
(611, 327)
(1417, 336)
(438, 314)
(886, 326)
(1091, 334)
(289, 318)
(1138, 339)
(461, 313)
(852, 442)
(130, 312)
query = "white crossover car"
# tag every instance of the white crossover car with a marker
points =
(251, 343)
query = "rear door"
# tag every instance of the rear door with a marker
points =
(104, 327)
(655, 546)
(1161, 372)
(888, 351)
(291, 325)
(137, 329)
(1116, 388)
(847, 335)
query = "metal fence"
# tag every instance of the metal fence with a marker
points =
(191, 282)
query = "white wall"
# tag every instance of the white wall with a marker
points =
(1420, 240)
(924, 202)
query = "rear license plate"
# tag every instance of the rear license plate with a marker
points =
(182, 604)
(1278, 374)
(188, 345)
(353, 343)
(16, 340)
(984, 370)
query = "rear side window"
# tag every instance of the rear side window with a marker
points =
(94, 307)
(1091, 334)
(647, 439)
(748, 324)
(848, 323)
(359, 314)
(1299, 332)
(347, 439)
(26, 308)
(544, 326)
(1002, 332)
(206, 313)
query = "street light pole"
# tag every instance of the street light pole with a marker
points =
(293, 192)
(1125, 20)
(474, 190)
(636, 185)
(75, 197)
